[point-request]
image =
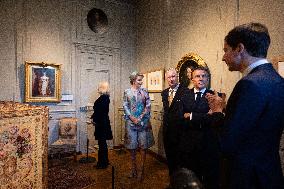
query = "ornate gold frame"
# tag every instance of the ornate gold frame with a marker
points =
(34, 71)
(190, 57)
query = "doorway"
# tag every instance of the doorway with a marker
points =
(93, 67)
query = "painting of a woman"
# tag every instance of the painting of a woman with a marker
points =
(43, 82)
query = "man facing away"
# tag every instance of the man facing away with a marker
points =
(174, 100)
(253, 121)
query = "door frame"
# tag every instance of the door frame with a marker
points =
(115, 89)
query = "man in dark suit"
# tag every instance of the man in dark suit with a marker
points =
(202, 154)
(174, 101)
(253, 121)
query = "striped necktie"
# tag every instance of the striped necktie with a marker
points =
(171, 96)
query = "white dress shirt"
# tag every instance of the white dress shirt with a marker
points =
(254, 65)
(174, 90)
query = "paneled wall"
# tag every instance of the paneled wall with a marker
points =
(145, 35)
(57, 32)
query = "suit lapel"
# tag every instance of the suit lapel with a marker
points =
(166, 97)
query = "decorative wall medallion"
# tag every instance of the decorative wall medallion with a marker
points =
(97, 21)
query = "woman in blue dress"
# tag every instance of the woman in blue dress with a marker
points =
(138, 131)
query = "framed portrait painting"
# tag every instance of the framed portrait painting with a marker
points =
(42, 82)
(155, 81)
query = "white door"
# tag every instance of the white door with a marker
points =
(93, 68)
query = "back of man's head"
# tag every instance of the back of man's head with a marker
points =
(185, 179)
(254, 36)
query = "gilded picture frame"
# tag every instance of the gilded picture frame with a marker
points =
(155, 81)
(278, 64)
(185, 66)
(42, 82)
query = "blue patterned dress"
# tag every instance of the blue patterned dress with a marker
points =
(138, 104)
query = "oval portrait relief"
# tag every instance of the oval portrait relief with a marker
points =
(97, 21)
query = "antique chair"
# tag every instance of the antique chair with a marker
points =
(67, 141)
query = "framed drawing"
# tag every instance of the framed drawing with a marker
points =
(144, 85)
(278, 64)
(42, 82)
(155, 81)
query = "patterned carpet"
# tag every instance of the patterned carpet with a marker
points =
(65, 176)
(74, 175)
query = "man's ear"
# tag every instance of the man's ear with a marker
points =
(240, 47)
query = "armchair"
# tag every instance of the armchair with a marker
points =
(67, 141)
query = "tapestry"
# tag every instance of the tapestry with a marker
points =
(23, 146)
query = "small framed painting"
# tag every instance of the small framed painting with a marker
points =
(278, 63)
(155, 81)
(42, 82)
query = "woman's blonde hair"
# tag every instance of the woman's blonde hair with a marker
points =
(133, 76)
(103, 88)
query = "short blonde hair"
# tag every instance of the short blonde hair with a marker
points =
(133, 76)
(171, 70)
(103, 88)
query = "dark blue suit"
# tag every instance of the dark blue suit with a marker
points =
(253, 124)
(200, 141)
(173, 123)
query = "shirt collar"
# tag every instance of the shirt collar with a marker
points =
(202, 90)
(254, 65)
(174, 89)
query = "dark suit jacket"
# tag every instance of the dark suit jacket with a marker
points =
(101, 119)
(173, 123)
(199, 111)
(174, 114)
(199, 131)
(253, 124)
(201, 145)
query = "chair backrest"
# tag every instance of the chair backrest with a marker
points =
(68, 128)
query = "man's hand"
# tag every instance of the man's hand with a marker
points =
(216, 103)
(186, 115)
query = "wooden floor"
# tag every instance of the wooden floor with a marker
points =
(155, 177)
